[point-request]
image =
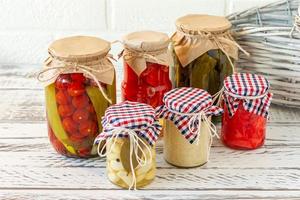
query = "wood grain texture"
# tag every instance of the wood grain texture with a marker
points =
(30, 169)
(186, 179)
(149, 194)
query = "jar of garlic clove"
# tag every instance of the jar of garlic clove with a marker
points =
(130, 130)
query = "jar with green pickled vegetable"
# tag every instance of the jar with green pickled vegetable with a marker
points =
(204, 52)
(79, 86)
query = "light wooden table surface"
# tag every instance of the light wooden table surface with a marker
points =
(30, 169)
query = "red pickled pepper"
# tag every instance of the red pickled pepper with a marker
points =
(76, 111)
(244, 130)
(149, 87)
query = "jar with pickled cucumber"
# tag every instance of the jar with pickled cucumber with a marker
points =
(204, 52)
(79, 86)
(146, 67)
(188, 130)
(130, 130)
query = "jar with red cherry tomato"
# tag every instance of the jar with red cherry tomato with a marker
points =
(146, 67)
(79, 83)
(246, 110)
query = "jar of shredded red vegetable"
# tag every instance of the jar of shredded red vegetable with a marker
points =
(146, 67)
(79, 85)
(246, 105)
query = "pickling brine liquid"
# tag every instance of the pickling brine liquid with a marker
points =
(118, 164)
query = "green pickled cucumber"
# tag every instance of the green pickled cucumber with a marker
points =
(203, 74)
(111, 91)
(54, 119)
(99, 102)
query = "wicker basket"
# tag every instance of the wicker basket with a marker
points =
(271, 35)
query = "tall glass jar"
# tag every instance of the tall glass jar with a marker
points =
(130, 130)
(188, 131)
(246, 105)
(146, 67)
(204, 52)
(79, 86)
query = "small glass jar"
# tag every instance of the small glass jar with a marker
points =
(146, 67)
(130, 130)
(74, 102)
(203, 52)
(246, 105)
(188, 131)
(180, 152)
(118, 165)
(245, 130)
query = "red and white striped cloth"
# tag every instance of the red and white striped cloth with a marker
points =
(139, 117)
(251, 89)
(181, 105)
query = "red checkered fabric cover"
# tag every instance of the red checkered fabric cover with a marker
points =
(251, 89)
(139, 117)
(181, 104)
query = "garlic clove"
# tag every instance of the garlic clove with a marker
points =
(126, 177)
(115, 165)
(151, 174)
(113, 177)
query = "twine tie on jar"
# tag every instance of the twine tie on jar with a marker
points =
(199, 118)
(62, 67)
(135, 148)
(219, 96)
(218, 39)
(129, 54)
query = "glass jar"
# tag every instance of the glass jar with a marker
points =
(188, 131)
(146, 67)
(180, 152)
(130, 130)
(118, 165)
(246, 104)
(206, 72)
(245, 130)
(204, 52)
(74, 102)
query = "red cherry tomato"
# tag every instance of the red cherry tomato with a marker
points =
(62, 98)
(76, 89)
(88, 128)
(63, 81)
(80, 101)
(65, 110)
(84, 152)
(76, 137)
(91, 108)
(78, 77)
(69, 125)
(80, 115)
